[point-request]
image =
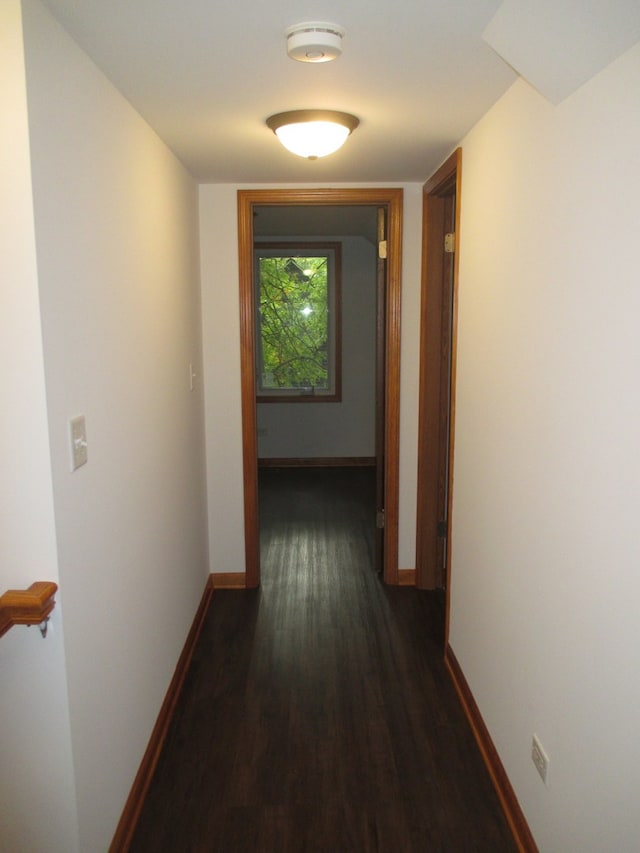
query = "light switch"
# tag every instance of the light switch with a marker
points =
(78, 439)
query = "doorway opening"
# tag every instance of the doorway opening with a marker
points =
(438, 330)
(254, 205)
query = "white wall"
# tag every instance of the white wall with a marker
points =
(221, 333)
(37, 798)
(545, 588)
(347, 428)
(116, 227)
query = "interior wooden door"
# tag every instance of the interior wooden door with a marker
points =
(445, 353)
(441, 210)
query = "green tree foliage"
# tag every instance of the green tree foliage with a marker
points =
(294, 322)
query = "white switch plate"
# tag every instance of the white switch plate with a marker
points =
(78, 441)
(540, 759)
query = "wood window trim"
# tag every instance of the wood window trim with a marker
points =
(314, 245)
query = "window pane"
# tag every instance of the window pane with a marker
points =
(295, 323)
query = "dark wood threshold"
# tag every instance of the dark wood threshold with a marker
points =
(510, 805)
(229, 580)
(318, 462)
(135, 801)
(406, 577)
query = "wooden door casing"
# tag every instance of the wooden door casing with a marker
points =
(392, 200)
(438, 329)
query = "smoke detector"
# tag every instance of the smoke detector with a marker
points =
(314, 41)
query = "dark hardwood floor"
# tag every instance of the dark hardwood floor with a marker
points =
(317, 714)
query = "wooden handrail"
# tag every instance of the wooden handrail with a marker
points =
(27, 606)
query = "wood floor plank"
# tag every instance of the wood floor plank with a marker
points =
(317, 714)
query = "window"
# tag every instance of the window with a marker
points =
(297, 322)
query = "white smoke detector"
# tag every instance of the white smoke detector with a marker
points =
(314, 41)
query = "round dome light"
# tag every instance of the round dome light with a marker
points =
(312, 133)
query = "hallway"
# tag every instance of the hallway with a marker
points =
(317, 714)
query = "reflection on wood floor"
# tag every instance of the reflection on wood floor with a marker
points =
(317, 714)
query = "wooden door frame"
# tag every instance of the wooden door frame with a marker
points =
(392, 199)
(433, 452)
(381, 388)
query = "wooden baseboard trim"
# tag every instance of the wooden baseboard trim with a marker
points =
(129, 819)
(319, 462)
(229, 580)
(406, 577)
(510, 805)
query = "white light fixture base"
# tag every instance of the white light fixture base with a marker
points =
(314, 41)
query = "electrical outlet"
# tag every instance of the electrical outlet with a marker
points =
(540, 759)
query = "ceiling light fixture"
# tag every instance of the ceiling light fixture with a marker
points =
(312, 133)
(314, 41)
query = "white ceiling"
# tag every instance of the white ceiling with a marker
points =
(558, 46)
(206, 74)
